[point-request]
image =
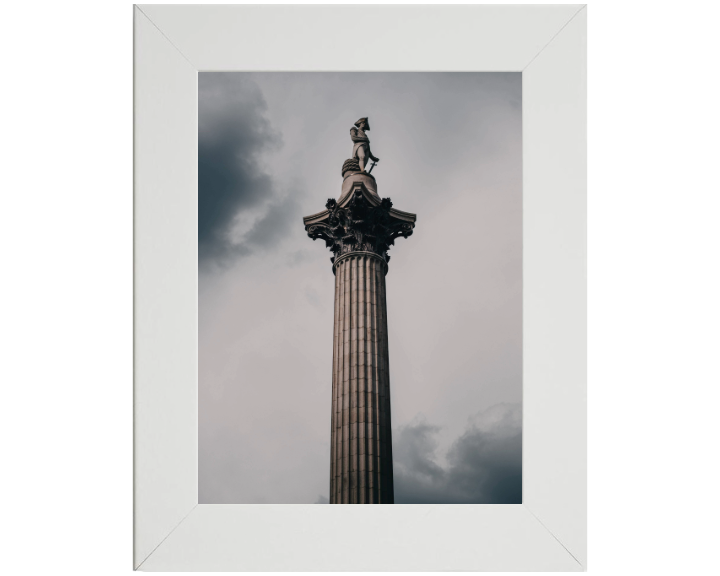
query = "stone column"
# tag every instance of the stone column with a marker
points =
(359, 229)
(361, 438)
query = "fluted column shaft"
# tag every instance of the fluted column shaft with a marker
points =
(361, 442)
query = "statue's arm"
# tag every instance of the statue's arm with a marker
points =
(355, 138)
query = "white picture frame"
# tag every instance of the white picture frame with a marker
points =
(547, 532)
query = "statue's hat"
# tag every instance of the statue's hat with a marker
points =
(367, 124)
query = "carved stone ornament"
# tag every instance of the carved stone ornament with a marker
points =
(361, 221)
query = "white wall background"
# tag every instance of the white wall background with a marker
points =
(66, 293)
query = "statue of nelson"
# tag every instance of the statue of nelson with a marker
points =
(361, 149)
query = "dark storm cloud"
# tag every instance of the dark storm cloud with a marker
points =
(484, 465)
(233, 134)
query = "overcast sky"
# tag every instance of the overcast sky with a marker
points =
(271, 146)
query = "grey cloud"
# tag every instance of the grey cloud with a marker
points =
(414, 451)
(233, 135)
(484, 465)
(280, 216)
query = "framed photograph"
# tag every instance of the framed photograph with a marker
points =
(436, 155)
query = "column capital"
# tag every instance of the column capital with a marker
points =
(359, 222)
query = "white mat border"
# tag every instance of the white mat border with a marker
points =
(546, 532)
